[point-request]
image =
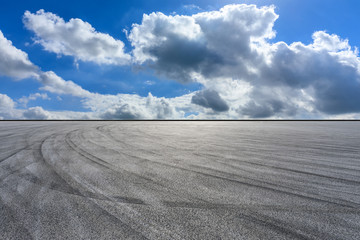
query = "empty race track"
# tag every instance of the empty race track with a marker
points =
(179, 180)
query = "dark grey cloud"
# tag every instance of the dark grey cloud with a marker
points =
(332, 76)
(210, 99)
(210, 43)
(264, 110)
(177, 57)
(124, 112)
(269, 102)
(338, 97)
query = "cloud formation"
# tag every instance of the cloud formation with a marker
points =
(25, 99)
(121, 106)
(210, 99)
(14, 62)
(75, 38)
(55, 84)
(233, 43)
(216, 43)
(126, 106)
(229, 52)
(327, 69)
(37, 113)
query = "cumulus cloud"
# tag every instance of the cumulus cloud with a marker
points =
(25, 99)
(9, 110)
(227, 51)
(37, 113)
(121, 106)
(6, 107)
(263, 104)
(210, 99)
(136, 107)
(216, 43)
(14, 62)
(55, 84)
(327, 69)
(75, 38)
(233, 43)
(6, 102)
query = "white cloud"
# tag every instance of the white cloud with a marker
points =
(216, 43)
(327, 70)
(221, 48)
(37, 113)
(55, 84)
(330, 43)
(9, 110)
(6, 107)
(25, 99)
(132, 106)
(14, 62)
(6, 102)
(121, 106)
(75, 38)
(243, 74)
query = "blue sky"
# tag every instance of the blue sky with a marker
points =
(235, 71)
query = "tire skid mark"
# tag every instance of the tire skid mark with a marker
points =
(110, 136)
(27, 146)
(251, 216)
(95, 195)
(275, 225)
(256, 153)
(108, 166)
(20, 227)
(58, 177)
(14, 153)
(312, 195)
(38, 156)
(166, 188)
(13, 172)
(255, 150)
(221, 206)
(341, 201)
(151, 137)
(298, 180)
(302, 163)
(118, 199)
(85, 154)
(276, 185)
(141, 160)
(343, 180)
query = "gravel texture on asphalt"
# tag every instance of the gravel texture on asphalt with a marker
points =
(179, 180)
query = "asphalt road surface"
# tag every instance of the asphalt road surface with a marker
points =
(179, 180)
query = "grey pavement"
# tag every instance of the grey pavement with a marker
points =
(179, 180)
